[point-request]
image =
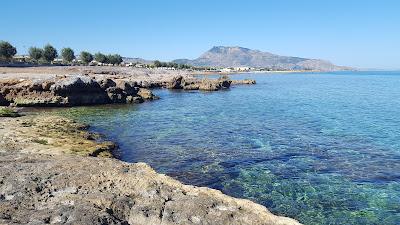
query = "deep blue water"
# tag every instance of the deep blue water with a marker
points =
(321, 148)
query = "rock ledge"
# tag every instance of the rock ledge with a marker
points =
(67, 189)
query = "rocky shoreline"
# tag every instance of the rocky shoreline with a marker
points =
(54, 171)
(97, 86)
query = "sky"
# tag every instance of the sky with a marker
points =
(358, 33)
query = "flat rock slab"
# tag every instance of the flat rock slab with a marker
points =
(67, 189)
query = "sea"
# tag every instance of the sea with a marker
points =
(322, 148)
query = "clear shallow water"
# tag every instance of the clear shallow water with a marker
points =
(321, 148)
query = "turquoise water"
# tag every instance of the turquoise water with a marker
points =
(321, 148)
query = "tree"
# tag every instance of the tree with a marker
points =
(49, 53)
(114, 59)
(86, 57)
(7, 51)
(157, 63)
(35, 53)
(67, 54)
(101, 58)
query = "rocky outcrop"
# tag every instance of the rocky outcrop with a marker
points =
(71, 91)
(146, 94)
(175, 83)
(98, 88)
(66, 189)
(245, 81)
(3, 101)
(199, 84)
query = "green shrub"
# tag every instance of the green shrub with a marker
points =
(86, 57)
(49, 53)
(7, 51)
(67, 54)
(35, 53)
(40, 141)
(8, 112)
(101, 58)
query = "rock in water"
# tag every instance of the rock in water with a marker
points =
(146, 94)
(175, 83)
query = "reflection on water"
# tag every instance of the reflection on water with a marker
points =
(321, 148)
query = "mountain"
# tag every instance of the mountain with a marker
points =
(136, 60)
(221, 56)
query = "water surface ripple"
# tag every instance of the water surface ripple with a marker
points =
(321, 148)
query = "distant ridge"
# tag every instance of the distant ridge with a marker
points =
(136, 60)
(222, 56)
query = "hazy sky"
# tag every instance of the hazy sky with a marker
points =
(359, 33)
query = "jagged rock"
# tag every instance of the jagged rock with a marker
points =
(46, 85)
(3, 101)
(65, 189)
(192, 86)
(127, 87)
(83, 90)
(134, 99)
(208, 85)
(175, 83)
(245, 81)
(214, 85)
(75, 84)
(146, 94)
(106, 83)
(116, 95)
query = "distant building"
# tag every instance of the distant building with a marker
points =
(140, 65)
(227, 70)
(21, 58)
(243, 68)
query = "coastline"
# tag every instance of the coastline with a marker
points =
(80, 184)
(84, 181)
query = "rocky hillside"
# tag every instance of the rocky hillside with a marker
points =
(221, 56)
(137, 60)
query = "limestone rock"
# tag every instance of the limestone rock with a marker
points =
(3, 101)
(63, 189)
(175, 83)
(106, 83)
(146, 94)
(214, 85)
(127, 87)
(134, 99)
(245, 81)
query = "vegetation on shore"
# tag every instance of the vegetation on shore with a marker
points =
(7, 51)
(49, 55)
(8, 112)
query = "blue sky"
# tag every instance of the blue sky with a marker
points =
(355, 33)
